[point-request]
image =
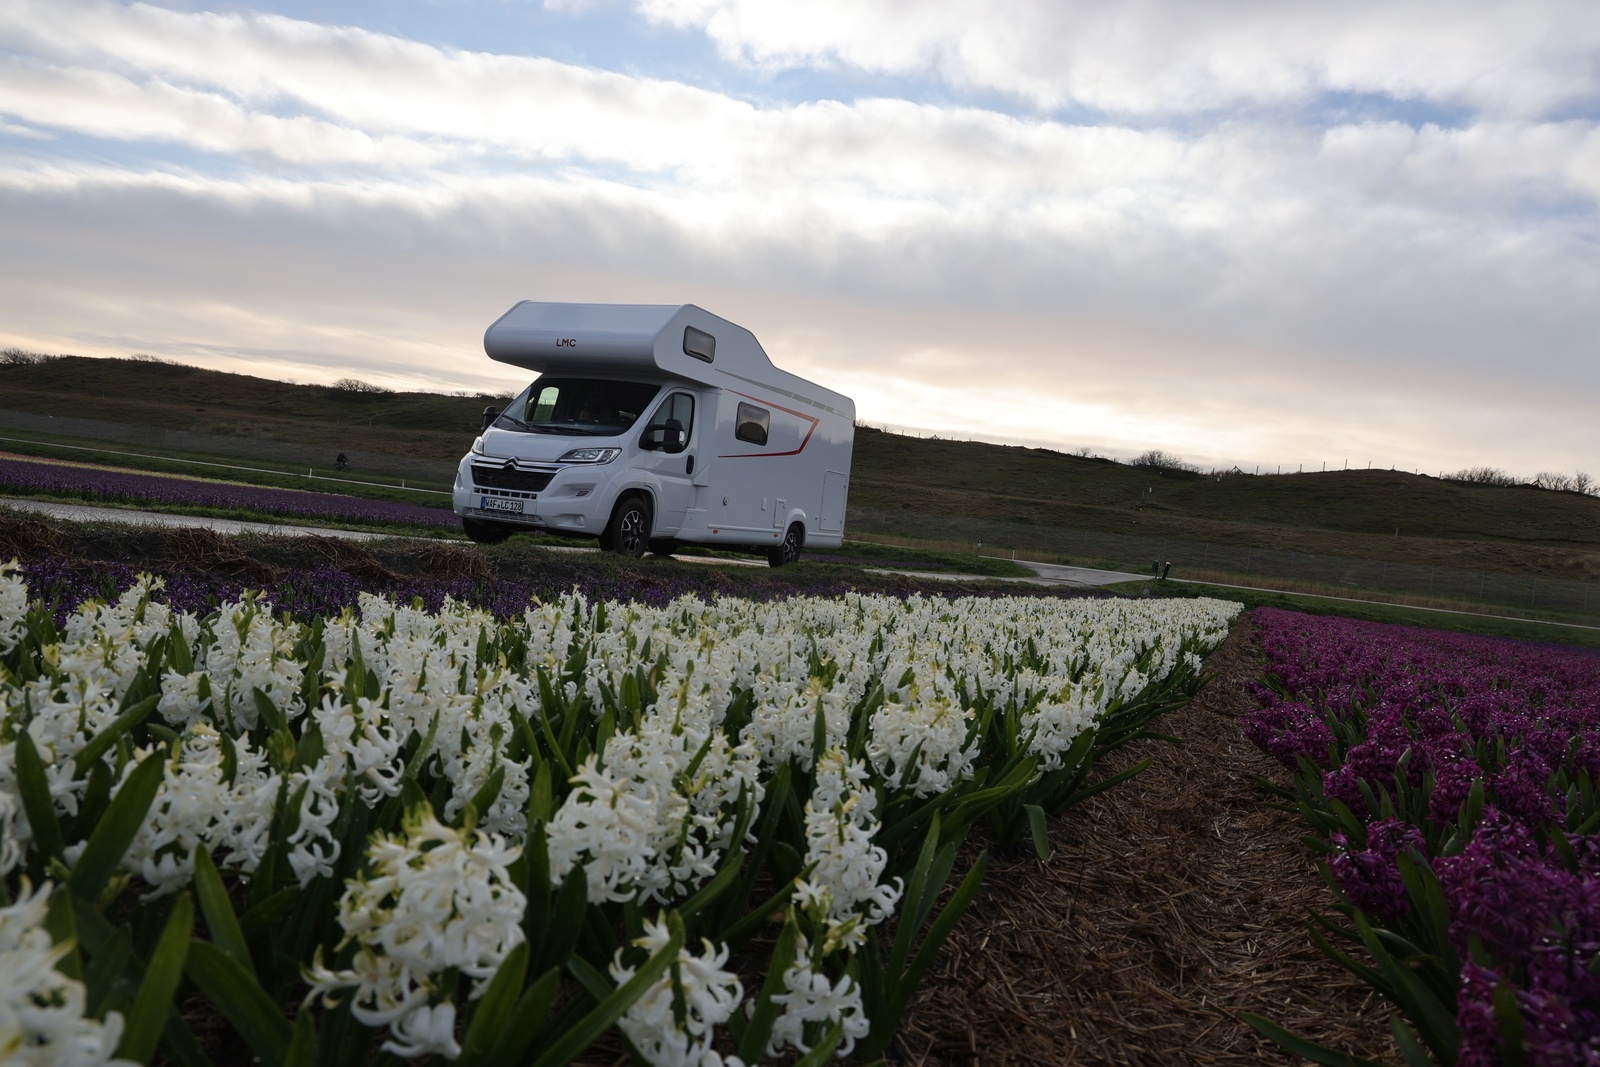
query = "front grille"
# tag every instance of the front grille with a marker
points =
(511, 478)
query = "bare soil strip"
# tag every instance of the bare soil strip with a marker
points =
(1172, 903)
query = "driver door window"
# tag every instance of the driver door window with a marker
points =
(678, 407)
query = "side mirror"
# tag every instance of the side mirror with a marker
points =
(490, 413)
(675, 439)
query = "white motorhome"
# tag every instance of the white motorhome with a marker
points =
(651, 426)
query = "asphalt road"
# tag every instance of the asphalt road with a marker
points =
(89, 513)
(1048, 573)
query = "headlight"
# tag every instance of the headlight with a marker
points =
(590, 455)
(477, 445)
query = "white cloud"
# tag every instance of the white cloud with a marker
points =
(102, 104)
(369, 84)
(1154, 56)
(316, 95)
(394, 283)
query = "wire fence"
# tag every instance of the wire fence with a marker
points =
(286, 452)
(1528, 592)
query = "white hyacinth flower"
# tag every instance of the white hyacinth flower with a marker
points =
(42, 1010)
(709, 996)
(13, 606)
(918, 739)
(811, 1001)
(639, 825)
(434, 899)
(840, 823)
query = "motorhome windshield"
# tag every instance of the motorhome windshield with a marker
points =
(588, 407)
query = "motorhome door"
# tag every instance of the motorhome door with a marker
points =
(673, 467)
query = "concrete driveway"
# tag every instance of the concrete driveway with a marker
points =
(1058, 574)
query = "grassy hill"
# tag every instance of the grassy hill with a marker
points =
(1369, 514)
(1375, 514)
(173, 396)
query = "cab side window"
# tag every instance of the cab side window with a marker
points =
(542, 405)
(679, 408)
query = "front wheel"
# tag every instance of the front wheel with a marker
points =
(486, 533)
(789, 550)
(628, 532)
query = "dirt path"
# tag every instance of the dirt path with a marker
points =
(1172, 903)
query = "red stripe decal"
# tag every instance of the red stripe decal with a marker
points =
(797, 414)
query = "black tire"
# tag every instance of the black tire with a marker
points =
(486, 533)
(628, 532)
(663, 547)
(789, 551)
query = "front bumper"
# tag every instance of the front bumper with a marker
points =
(573, 500)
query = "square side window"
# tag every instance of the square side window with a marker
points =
(699, 344)
(752, 424)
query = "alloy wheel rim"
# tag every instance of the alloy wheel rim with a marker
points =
(632, 529)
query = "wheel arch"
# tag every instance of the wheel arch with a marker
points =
(638, 489)
(798, 515)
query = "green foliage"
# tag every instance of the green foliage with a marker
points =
(268, 930)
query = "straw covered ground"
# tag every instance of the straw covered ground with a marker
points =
(1171, 903)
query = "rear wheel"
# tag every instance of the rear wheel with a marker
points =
(486, 533)
(789, 551)
(628, 532)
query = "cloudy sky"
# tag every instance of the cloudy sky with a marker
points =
(1244, 232)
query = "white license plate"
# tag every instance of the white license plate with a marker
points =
(496, 503)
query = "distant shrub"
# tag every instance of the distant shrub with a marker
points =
(1552, 480)
(145, 357)
(1483, 476)
(16, 357)
(356, 385)
(1156, 459)
(1578, 482)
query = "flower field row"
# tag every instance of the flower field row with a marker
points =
(497, 841)
(324, 588)
(1452, 781)
(88, 483)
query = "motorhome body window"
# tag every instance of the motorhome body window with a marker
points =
(752, 424)
(699, 344)
(679, 406)
(588, 407)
